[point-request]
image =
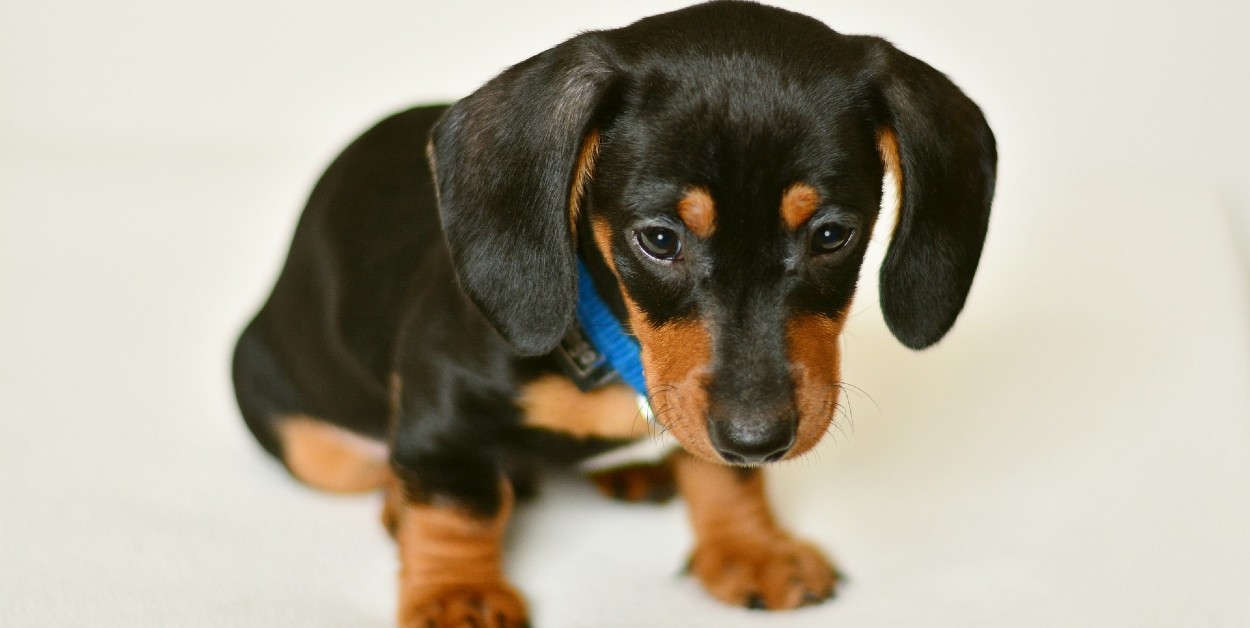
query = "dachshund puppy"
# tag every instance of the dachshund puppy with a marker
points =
(666, 220)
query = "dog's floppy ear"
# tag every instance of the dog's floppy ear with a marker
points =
(944, 153)
(505, 160)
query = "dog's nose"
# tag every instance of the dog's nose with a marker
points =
(753, 441)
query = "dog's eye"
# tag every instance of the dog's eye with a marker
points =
(660, 242)
(830, 237)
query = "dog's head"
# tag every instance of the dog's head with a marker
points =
(720, 170)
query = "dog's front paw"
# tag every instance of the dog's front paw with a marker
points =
(493, 605)
(774, 573)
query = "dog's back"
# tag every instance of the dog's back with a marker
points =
(322, 344)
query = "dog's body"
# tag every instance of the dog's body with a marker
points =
(718, 171)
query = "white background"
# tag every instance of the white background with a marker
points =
(1075, 453)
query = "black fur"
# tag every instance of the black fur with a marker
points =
(462, 297)
(948, 158)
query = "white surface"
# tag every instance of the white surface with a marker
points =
(1076, 453)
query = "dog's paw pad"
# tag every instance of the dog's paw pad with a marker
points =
(773, 574)
(494, 605)
(637, 483)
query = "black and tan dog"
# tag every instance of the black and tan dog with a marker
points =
(717, 172)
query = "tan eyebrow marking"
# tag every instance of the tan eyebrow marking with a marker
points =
(798, 204)
(698, 211)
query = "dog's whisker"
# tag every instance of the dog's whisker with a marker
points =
(834, 426)
(847, 385)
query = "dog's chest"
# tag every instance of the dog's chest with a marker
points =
(611, 412)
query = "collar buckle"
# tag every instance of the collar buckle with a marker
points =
(582, 362)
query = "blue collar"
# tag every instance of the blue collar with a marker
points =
(605, 332)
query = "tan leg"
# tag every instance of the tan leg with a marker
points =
(330, 458)
(638, 482)
(741, 555)
(450, 566)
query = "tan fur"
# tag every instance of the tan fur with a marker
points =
(451, 572)
(392, 505)
(798, 204)
(603, 240)
(698, 211)
(675, 359)
(555, 403)
(638, 483)
(812, 344)
(887, 147)
(582, 174)
(331, 458)
(742, 556)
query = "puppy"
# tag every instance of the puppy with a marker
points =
(704, 182)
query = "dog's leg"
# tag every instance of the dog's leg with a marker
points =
(451, 572)
(638, 482)
(330, 458)
(741, 554)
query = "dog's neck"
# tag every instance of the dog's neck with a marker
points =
(596, 350)
(605, 333)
